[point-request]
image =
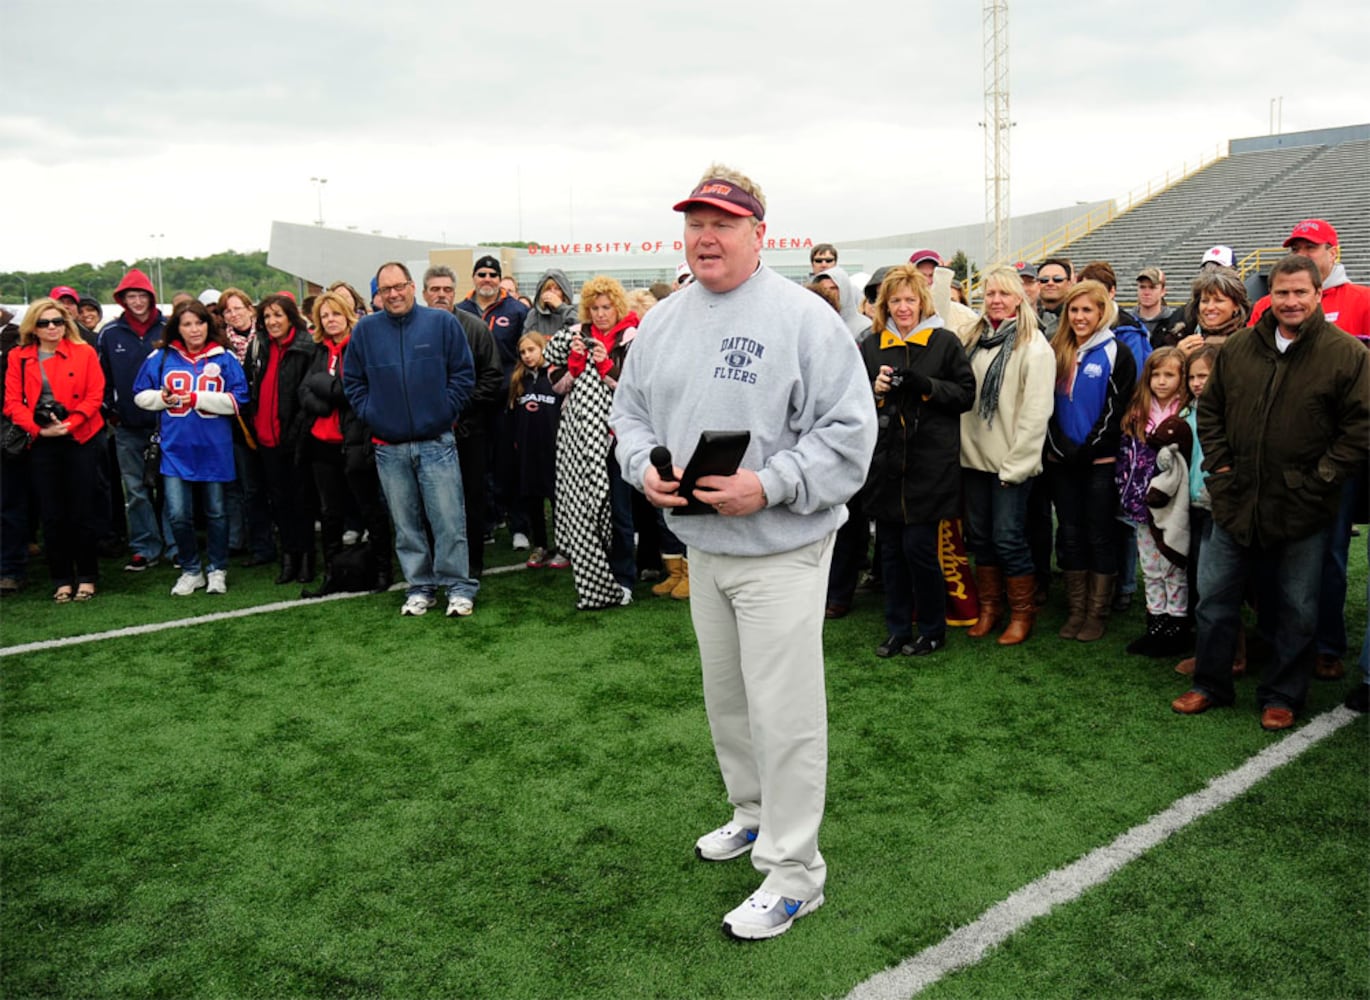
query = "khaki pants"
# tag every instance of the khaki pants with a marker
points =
(759, 622)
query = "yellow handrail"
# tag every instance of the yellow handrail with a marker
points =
(1082, 226)
(1259, 259)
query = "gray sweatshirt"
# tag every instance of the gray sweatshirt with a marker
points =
(767, 357)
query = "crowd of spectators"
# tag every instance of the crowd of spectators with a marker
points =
(1074, 443)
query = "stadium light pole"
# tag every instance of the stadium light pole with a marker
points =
(157, 258)
(318, 183)
(996, 125)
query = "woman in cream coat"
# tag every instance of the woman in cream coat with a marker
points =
(1001, 450)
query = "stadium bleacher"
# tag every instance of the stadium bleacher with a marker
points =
(1247, 200)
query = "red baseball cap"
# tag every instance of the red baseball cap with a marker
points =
(1314, 231)
(918, 256)
(725, 196)
(64, 292)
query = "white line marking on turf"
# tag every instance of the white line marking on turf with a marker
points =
(967, 945)
(218, 616)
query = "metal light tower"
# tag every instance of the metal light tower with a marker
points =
(318, 183)
(996, 125)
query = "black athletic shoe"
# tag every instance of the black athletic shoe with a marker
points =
(924, 646)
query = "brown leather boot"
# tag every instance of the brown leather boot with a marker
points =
(989, 584)
(1100, 603)
(1077, 594)
(682, 587)
(1022, 606)
(674, 566)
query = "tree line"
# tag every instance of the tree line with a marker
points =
(248, 271)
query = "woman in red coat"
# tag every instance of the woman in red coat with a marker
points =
(53, 389)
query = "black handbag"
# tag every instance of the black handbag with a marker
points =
(14, 440)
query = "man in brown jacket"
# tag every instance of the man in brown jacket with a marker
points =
(1284, 420)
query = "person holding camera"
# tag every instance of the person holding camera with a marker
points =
(923, 383)
(54, 387)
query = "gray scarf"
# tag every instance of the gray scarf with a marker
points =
(1006, 335)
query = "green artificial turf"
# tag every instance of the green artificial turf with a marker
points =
(334, 801)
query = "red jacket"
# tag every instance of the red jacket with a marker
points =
(76, 379)
(1346, 305)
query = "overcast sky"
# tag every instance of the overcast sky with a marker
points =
(584, 122)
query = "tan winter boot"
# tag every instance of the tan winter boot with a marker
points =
(989, 584)
(675, 567)
(1100, 604)
(1022, 606)
(1077, 594)
(682, 589)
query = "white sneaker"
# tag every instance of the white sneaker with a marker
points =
(725, 843)
(417, 604)
(187, 583)
(627, 595)
(218, 582)
(520, 541)
(765, 915)
(350, 537)
(459, 607)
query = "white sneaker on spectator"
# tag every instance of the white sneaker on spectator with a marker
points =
(520, 541)
(350, 537)
(218, 582)
(417, 604)
(187, 583)
(460, 607)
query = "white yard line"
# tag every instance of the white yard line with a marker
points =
(967, 945)
(218, 616)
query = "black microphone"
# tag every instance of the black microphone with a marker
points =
(661, 461)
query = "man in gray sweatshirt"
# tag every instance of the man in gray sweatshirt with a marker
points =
(742, 348)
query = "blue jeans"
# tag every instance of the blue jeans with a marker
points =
(180, 508)
(422, 484)
(144, 536)
(1296, 571)
(913, 574)
(1332, 604)
(996, 522)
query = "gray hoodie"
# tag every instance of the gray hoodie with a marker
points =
(859, 325)
(767, 357)
(546, 321)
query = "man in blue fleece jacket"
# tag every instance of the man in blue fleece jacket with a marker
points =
(408, 373)
(742, 348)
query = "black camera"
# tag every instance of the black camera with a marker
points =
(45, 414)
(897, 377)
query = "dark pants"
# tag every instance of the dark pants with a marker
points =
(1039, 527)
(535, 510)
(1295, 569)
(16, 479)
(249, 516)
(67, 476)
(913, 574)
(850, 554)
(471, 455)
(996, 522)
(621, 559)
(1086, 502)
(341, 483)
(290, 495)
